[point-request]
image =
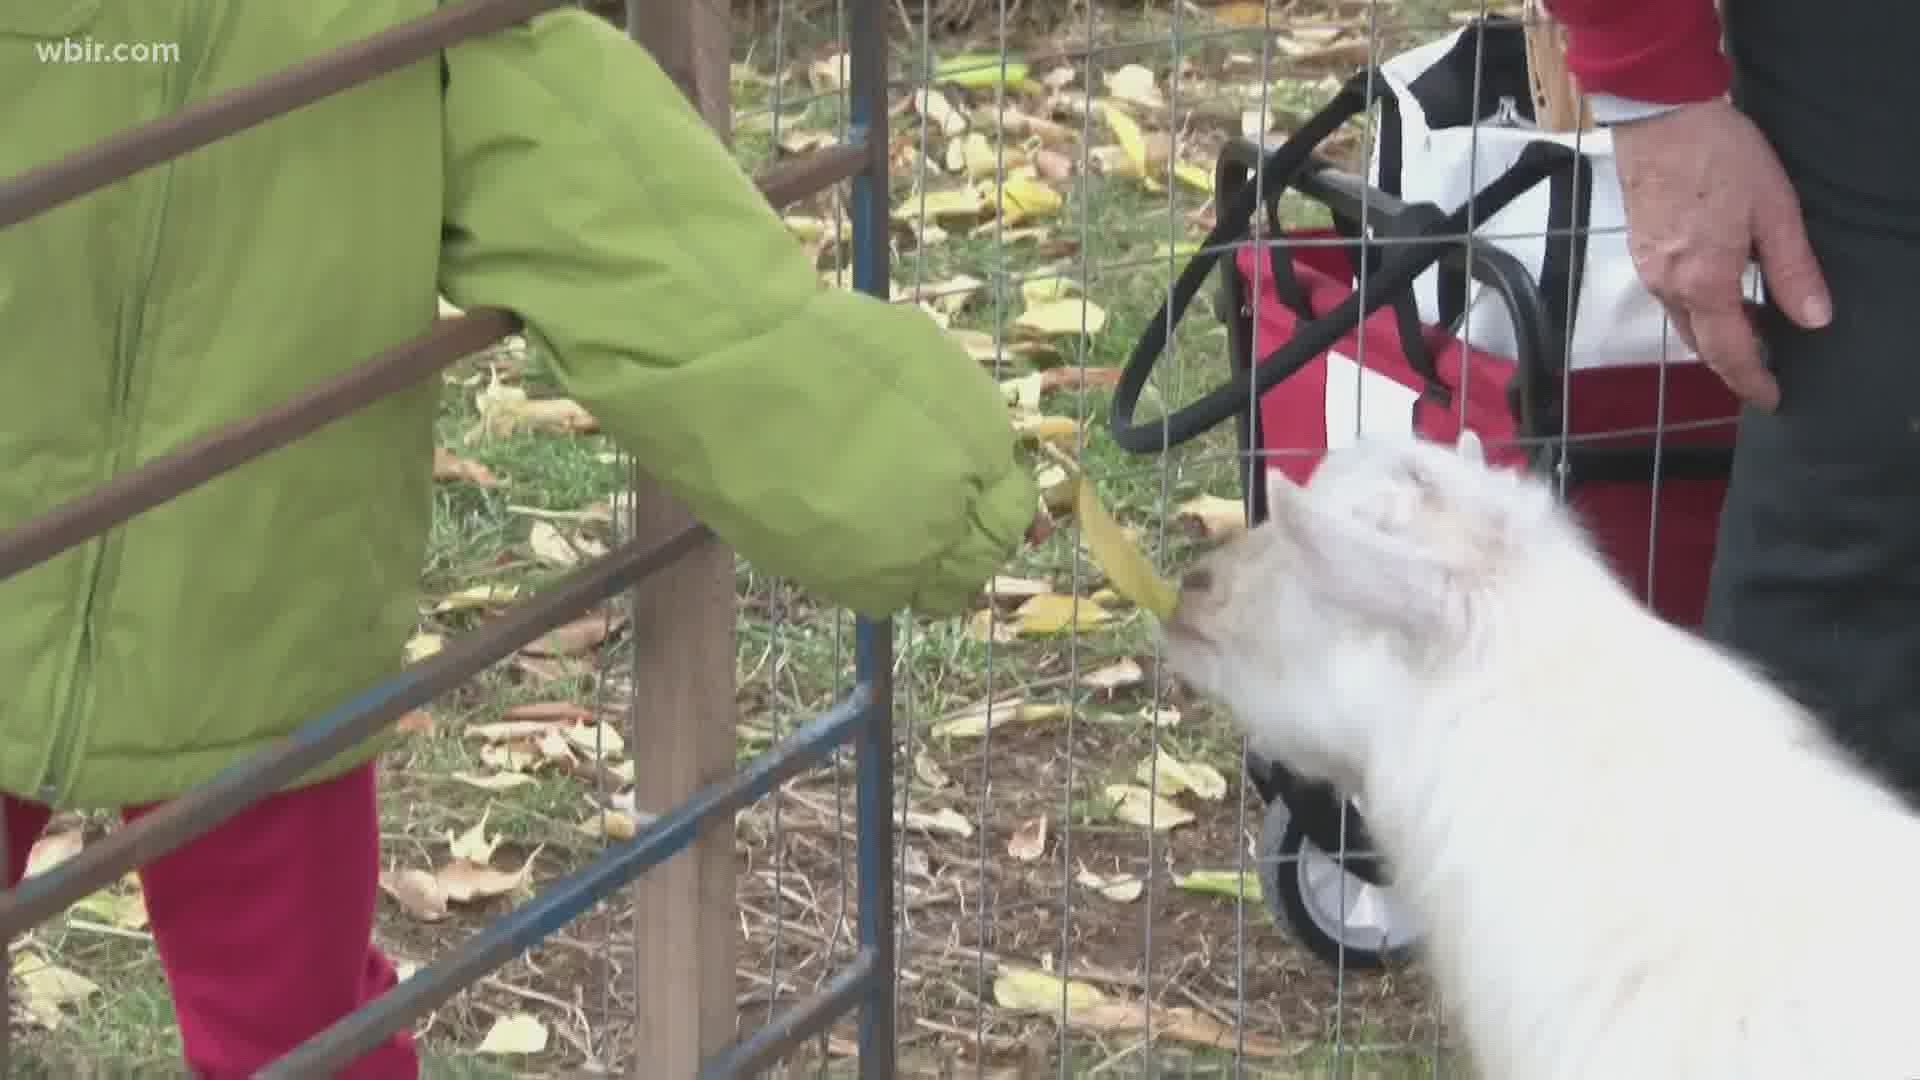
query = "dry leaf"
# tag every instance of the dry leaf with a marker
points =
(598, 738)
(978, 71)
(983, 626)
(1052, 613)
(417, 892)
(1177, 1022)
(829, 73)
(421, 646)
(473, 845)
(582, 635)
(975, 720)
(506, 410)
(1131, 575)
(53, 849)
(1053, 165)
(965, 204)
(1114, 676)
(1221, 883)
(1046, 428)
(1004, 587)
(1029, 841)
(516, 1034)
(929, 771)
(1061, 318)
(1078, 378)
(944, 820)
(1213, 516)
(1120, 888)
(1138, 806)
(1135, 157)
(1028, 990)
(1175, 776)
(45, 987)
(414, 722)
(549, 712)
(1135, 83)
(448, 465)
(464, 881)
(555, 548)
(1023, 197)
(127, 910)
(616, 825)
(499, 730)
(500, 781)
(477, 596)
(934, 106)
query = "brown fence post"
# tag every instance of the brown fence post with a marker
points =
(683, 682)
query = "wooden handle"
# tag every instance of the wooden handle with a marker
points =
(1558, 104)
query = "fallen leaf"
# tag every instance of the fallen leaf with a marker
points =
(555, 548)
(1165, 716)
(548, 712)
(417, 892)
(1029, 990)
(1175, 776)
(1138, 806)
(421, 646)
(1004, 587)
(500, 781)
(1135, 158)
(965, 204)
(1062, 318)
(1135, 83)
(975, 71)
(934, 106)
(498, 730)
(1052, 613)
(473, 845)
(477, 596)
(929, 771)
(1044, 288)
(1046, 428)
(598, 738)
(1029, 841)
(985, 627)
(1193, 176)
(1214, 517)
(829, 72)
(1023, 393)
(463, 881)
(1022, 197)
(506, 410)
(975, 720)
(1242, 13)
(1221, 883)
(450, 466)
(1114, 676)
(944, 820)
(582, 635)
(46, 986)
(127, 910)
(516, 1034)
(1078, 378)
(1056, 488)
(1053, 165)
(975, 156)
(1131, 575)
(53, 849)
(1179, 1023)
(1120, 888)
(614, 825)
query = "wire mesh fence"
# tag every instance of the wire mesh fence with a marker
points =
(1091, 876)
(1095, 878)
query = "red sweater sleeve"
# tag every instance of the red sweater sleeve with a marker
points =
(1665, 51)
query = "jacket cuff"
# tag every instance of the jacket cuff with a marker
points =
(1000, 517)
(1655, 51)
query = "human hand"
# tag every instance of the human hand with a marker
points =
(1704, 192)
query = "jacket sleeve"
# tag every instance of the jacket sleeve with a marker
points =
(829, 437)
(1657, 51)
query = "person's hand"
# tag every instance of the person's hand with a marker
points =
(1704, 192)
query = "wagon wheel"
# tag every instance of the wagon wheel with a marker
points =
(1307, 891)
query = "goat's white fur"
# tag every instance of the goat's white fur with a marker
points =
(1632, 857)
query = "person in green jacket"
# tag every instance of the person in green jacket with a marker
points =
(550, 169)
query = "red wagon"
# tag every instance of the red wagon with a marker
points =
(1326, 345)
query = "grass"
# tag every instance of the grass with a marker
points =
(971, 910)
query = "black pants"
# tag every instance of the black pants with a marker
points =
(1817, 576)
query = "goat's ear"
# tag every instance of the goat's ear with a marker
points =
(1470, 448)
(1383, 579)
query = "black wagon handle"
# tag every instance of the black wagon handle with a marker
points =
(1412, 253)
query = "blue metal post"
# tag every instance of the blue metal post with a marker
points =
(873, 642)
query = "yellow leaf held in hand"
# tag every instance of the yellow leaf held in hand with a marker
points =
(1028, 990)
(1138, 806)
(516, 1035)
(1175, 776)
(1126, 567)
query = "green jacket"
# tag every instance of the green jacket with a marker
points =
(829, 437)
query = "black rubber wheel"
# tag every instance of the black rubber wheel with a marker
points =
(1300, 885)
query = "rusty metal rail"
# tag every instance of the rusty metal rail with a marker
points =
(865, 717)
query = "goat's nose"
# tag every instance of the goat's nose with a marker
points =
(1198, 579)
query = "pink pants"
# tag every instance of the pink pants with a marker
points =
(265, 926)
